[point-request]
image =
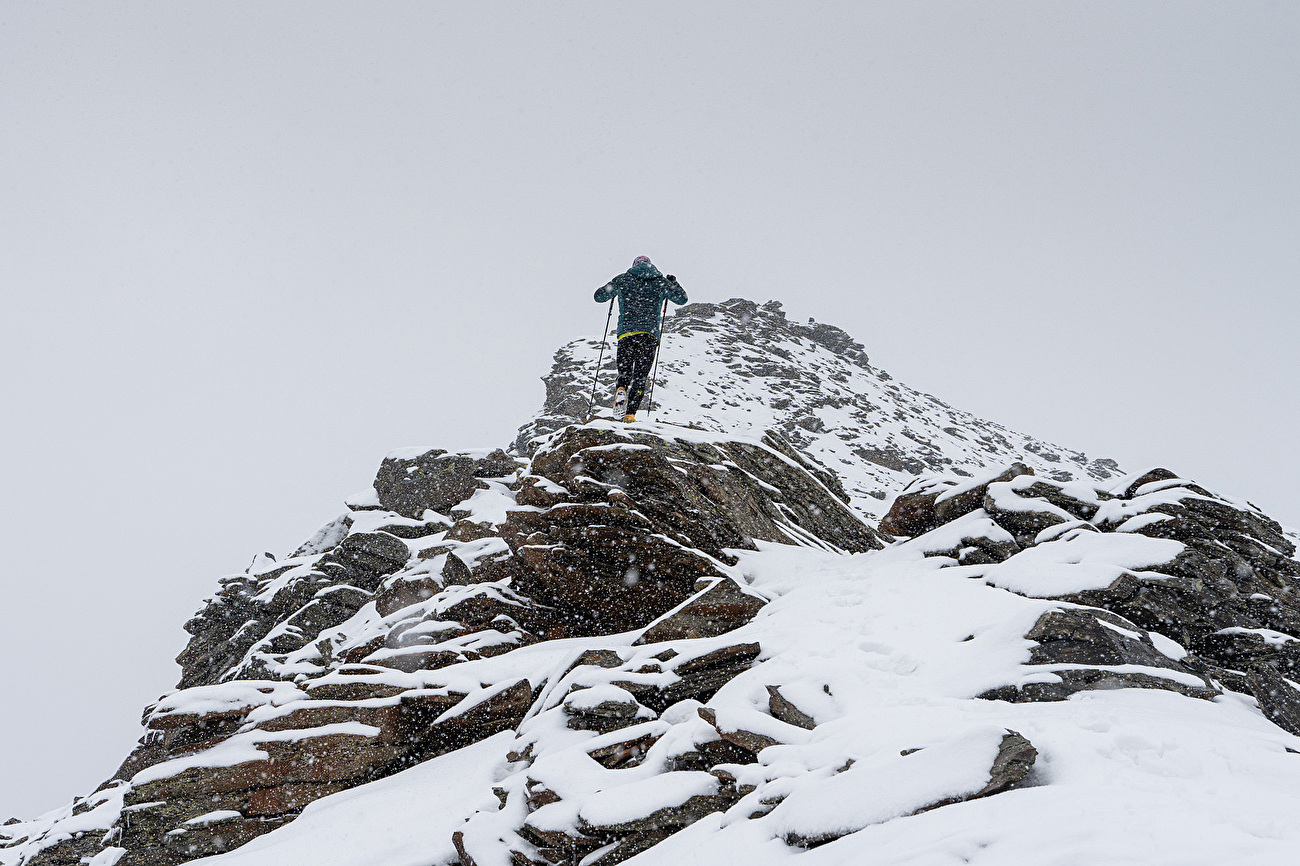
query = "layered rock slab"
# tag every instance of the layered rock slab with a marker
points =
(351, 660)
(746, 367)
(1170, 586)
(646, 515)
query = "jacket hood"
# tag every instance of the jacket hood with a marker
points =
(644, 270)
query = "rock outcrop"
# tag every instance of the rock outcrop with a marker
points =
(1190, 592)
(654, 628)
(744, 367)
(368, 651)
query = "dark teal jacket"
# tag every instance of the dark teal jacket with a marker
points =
(640, 291)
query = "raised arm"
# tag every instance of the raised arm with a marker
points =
(605, 292)
(673, 290)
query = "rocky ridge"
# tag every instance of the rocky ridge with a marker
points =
(369, 649)
(743, 367)
(1189, 582)
(674, 643)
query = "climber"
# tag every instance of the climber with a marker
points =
(641, 293)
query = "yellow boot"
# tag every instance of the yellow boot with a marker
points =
(628, 419)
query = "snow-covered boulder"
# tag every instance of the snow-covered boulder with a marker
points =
(740, 367)
(681, 642)
(372, 648)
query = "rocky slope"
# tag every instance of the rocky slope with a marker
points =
(744, 368)
(685, 644)
(371, 648)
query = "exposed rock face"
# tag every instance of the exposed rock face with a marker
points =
(409, 483)
(727, 493)
(646, 705)
(720, 607)
(344, 663)
(611, 605)
(931, 501)
(743, 367)
(646, 517)
(1212, 603)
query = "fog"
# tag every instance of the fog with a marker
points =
(246, 249)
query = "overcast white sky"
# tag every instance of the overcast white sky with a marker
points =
(248, 248)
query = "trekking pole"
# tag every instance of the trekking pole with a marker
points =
(650, 398)
(603, 335)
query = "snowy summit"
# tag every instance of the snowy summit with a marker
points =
(799, 610)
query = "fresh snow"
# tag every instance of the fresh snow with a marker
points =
(403, 820)
(227, 698)
(887, 652)
(214, 817)
(1078, 562)
(94, 814)
(742, 368)
(243, 747)
(1272, 638)
(645, 796)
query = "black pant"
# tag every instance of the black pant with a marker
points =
(636, 355)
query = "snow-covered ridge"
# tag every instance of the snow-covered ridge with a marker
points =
(1041, 660)
(741, 368)
(427, 617)
(659, 643)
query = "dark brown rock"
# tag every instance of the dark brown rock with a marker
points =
(434, 480)
(750, 741)
(1011, 767)
(979, 550)
(912, 514)
(1245, 650)
(932, 502)
(717, 495)
(1079, 637)
(701, 677)
(1077, 680)
(414, 530)
(1159, 474)
(416, 659)
(328, 758)
(1023, 518)
(502, 711)
(600, 658)
(403, 592)
(1052, 493)
(1095, 640)
(782, 710)
(1277, 698)
(389, 719)
(535, 491)
(949, 506)
(204, 841)
(668, 817)
(288, 799)
(484, 603)
(469, 530)
(608, 715)
(611, 579)
(625, 754)
(70, 852)
(717, 609)
(364, 557)
(498, 464)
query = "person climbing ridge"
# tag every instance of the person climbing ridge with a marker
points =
(642, 292)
